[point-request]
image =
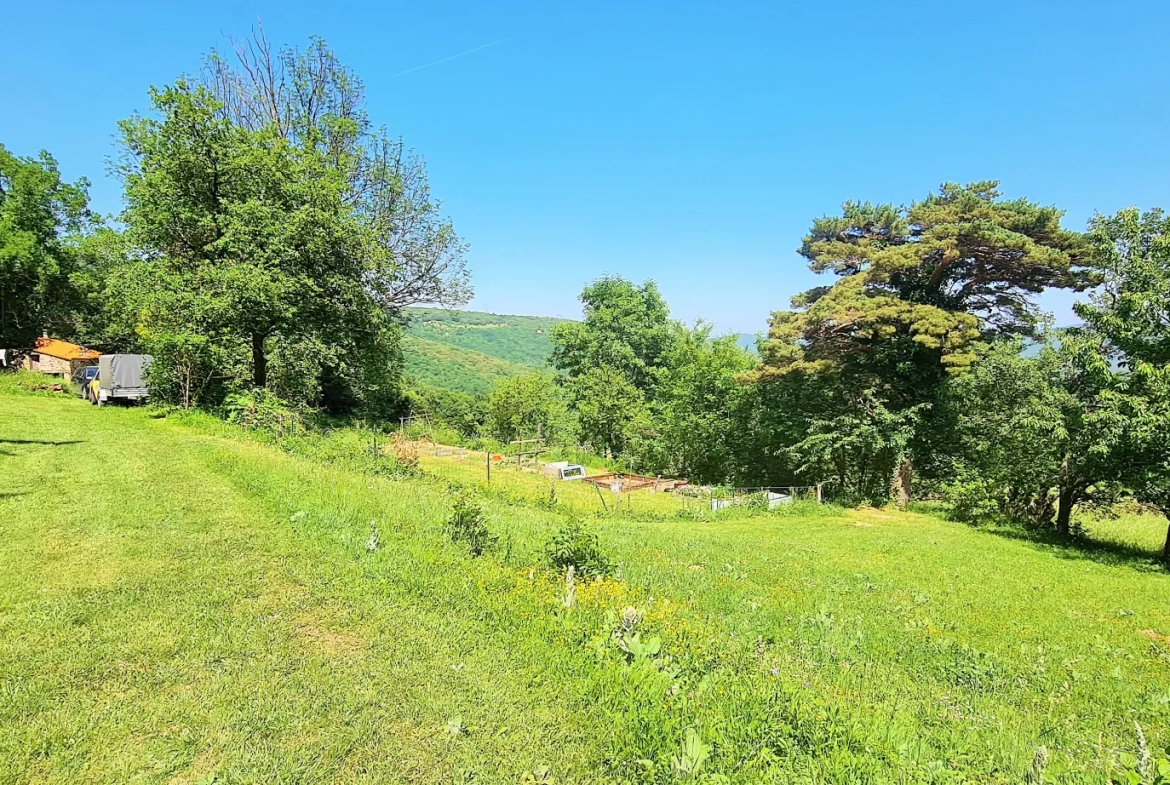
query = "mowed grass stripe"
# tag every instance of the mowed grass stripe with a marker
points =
(162, 617)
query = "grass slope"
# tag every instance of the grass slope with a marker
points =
(524, 340)
(453, 368)
(181, 605)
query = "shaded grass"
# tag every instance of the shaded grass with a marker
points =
(178, 604)
(1145, 533)
(1129, 540)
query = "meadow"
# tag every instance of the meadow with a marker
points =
(184, 603)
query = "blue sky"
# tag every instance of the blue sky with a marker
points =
(692, 143)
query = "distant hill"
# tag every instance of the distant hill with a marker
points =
(516, 339)
(454, 368)
(747, 341)
(469, 351)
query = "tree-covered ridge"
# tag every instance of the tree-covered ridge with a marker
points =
(455, 368)
(516, 339)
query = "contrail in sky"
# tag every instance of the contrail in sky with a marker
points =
(452, 57)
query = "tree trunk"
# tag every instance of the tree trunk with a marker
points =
(1166, 548)
(903, 476)
(259, 361)
(1065, 499)
(1064, 507)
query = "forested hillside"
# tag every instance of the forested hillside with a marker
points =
(462, 350)
(454, 368)
(517, 339)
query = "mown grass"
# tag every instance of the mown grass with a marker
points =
(1140, 533)
(182, 605)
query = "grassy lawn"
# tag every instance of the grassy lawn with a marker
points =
(180, 605)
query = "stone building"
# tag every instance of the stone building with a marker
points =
(58, 358)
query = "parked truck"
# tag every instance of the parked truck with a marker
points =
(120, 377)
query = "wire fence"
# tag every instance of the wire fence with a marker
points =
(513, 477)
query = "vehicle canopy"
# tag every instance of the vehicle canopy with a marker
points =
(124, 374)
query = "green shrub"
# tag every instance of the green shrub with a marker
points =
(466, 525)
(575, 545)
(971, 500)
(260, 410)
(24, 381)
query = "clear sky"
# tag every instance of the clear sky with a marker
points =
(692, 143)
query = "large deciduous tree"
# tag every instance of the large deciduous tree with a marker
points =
(1127, 322)
(314, 102)
(627, 328)
(526, 406)
(268, 221)
(702, 408)
(238, 236)
(611, 412)
(41, 219)
(1015, 429)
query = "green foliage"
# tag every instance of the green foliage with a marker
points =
(919, 284)
(1142, 768)
(694, 754)
(467, 525)
(525, 407)
(260, 410)
(42, 218)
(244, 242)
(627, 329)
(1122, 355)
(273, 238)
(31, 382)
(188, 368)
(453, 368)
(574, 545)
(702, 409)
(1012, 437)
(859, 448)
(446, 408)
(918, 288)
(611, 412)
(523, 340)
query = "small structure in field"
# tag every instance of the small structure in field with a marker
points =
(563, 470)
(636, 482)
(773, 499)
(59, 358)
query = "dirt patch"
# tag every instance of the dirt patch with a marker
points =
(319, 634)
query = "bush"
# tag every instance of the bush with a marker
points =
(189, 370)
(260, 410)
(33, 382)
(574, 545)
(466, 525)
(971, 500)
